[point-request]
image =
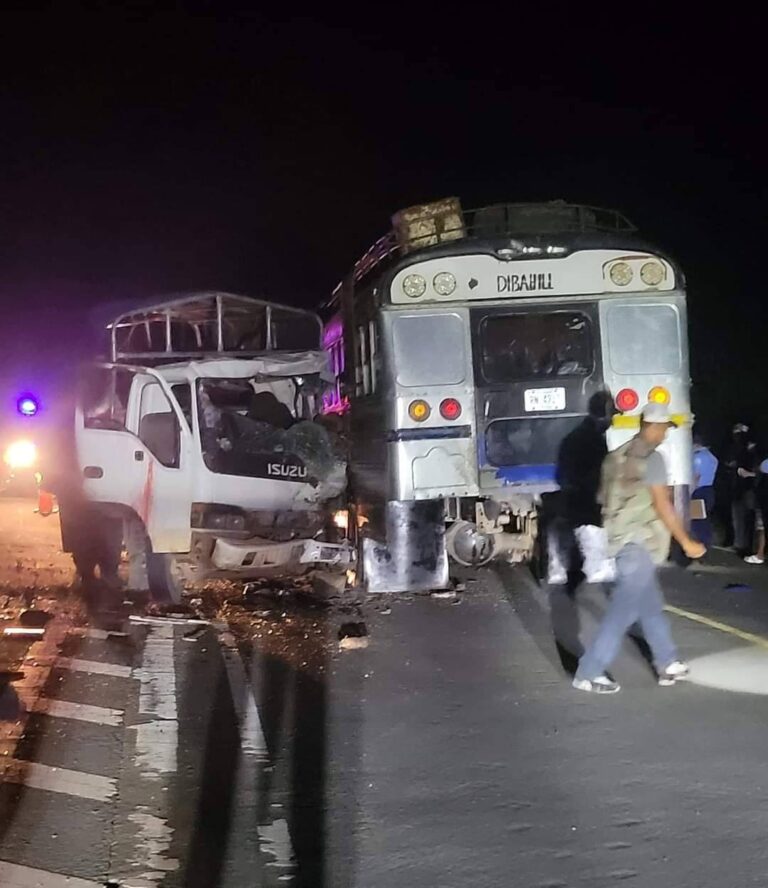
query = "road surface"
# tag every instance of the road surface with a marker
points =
(450, 751)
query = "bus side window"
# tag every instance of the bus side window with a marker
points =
(364, 367)
(373, 334)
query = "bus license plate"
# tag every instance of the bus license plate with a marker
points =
(544, 399)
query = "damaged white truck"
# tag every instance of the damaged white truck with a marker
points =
(200, 439)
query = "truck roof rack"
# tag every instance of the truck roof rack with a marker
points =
(192, 326)
(428, 225)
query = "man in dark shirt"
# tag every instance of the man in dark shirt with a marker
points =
(741, 464)
(578, 473)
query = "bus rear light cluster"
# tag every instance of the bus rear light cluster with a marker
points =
(627, 399)
(450, 409)
(419, 410)
(623, 272)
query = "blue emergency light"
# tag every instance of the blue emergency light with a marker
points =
(28, 405)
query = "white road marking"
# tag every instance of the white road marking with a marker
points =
(150, 854)
(60, 780)
(157, 741)
(14, 876)
(97, 715)
(94, 667)
(252, 740)
(275, 837)
(275, 840)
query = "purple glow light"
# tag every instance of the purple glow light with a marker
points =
(27, 405)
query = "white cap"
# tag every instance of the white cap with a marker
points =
(658, 413)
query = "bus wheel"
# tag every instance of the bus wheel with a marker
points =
(166, 581)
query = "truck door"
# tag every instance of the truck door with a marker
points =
(134, 450)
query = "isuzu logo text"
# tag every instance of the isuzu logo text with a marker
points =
(278, 470)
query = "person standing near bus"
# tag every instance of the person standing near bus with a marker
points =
(741, 463)
(579, 462)
(639, 519)
(704, 470)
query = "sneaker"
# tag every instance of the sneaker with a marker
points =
(600, 685)
(754, 559)
(676, 671)
(557, 578)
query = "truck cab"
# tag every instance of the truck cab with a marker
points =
(200, 436)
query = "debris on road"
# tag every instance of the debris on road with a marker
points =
(353, 636)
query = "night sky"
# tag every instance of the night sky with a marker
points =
(144, 151)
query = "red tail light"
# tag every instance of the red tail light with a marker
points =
(627, 399)
(450, 409)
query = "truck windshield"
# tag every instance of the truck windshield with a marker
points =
(535, 346)
(237, 423)
(247, 428)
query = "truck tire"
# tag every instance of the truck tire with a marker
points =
(166, 583)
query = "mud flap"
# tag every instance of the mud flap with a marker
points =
(414, 556)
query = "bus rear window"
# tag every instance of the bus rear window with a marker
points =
(643, 339)
(429, 349)
(535, 346)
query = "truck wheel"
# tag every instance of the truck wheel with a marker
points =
(166, 582)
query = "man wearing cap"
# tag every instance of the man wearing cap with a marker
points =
(639, 518)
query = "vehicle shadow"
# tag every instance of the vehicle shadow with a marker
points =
(286, 816)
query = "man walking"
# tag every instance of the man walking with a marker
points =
(639, 518)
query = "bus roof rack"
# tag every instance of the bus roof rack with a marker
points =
(191, 326)
(428, 225)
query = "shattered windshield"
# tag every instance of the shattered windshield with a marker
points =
(256, 430)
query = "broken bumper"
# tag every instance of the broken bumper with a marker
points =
(248, 557)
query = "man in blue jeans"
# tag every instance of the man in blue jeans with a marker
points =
(639, 518)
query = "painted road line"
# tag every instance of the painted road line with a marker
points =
(59, 780)
(157, 740)
(716, 624)
(97, 715)
(252, 740)
(14, 876)
(94, 667)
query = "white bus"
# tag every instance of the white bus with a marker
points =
(473, 342)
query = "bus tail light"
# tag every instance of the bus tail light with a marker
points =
(658, 395)
(450, 409)
(627, 399)
(419, 410)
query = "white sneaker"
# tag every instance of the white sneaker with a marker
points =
(754, 559)
(557, 578)
(600, 685)
(676, 671)
(604, 574)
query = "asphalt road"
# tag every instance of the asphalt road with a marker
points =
(450, 751)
